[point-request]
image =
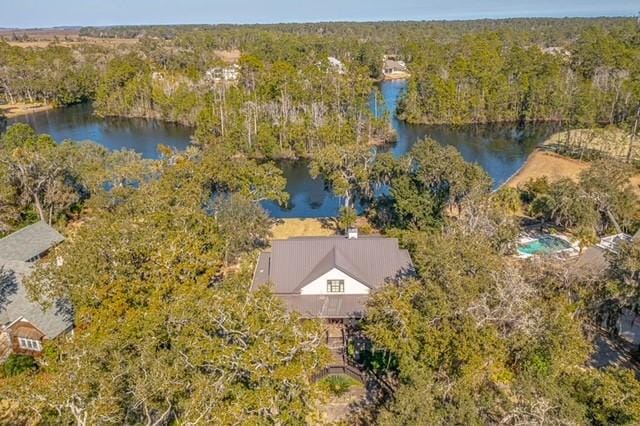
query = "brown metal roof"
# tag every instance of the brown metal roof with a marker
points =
(334, 259)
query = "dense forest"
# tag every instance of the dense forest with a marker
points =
(289, 100)
(488, 78)
(157, 268)
(481, 337)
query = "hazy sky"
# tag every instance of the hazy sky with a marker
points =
(47, 13)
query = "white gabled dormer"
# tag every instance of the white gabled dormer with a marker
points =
(335, 274)
(334, 282)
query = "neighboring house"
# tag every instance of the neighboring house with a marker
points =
(24, 324)
(395, 69)
(336, 65)
(610, 350)
(331, 278)
(223, 74)
(557, 51)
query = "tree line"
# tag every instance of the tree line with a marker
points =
(289, 101)
(490, 78)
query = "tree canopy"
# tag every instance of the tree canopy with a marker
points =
(162, 332)
(480, 339)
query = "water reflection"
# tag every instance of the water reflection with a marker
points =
(500, 149)
(78, 123)
(308, 197)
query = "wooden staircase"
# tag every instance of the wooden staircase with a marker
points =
(340, 364)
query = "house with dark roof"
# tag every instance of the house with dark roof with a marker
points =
(394, 69)
(331, 277)
(24, 323)
(29, 243)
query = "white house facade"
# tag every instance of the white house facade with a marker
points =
(335, 282)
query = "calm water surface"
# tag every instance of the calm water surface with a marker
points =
(78, 123)
(501, 150)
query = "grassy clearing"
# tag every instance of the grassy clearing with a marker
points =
(586, 144)
(229, 56)
(68, 37)
(315, 227)
(311, 227)
(553, 166)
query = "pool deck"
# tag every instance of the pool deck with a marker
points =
(529, 237)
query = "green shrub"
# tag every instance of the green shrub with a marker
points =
(18, 364)
(338, 384)
(347, 218)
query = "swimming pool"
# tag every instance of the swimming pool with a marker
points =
(543, 245)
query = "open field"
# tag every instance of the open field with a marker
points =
(14, 110)
(610, 142)
(63, 36)
(584, 143)
(397, 76)
(553, 166)
(39, 33)
(70, 37)
(229, 56)
(105, 42)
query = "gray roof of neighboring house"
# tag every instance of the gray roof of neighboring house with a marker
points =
(15, 303)
(295, 262)
(29, 242)
(261, 274)
(592, 260)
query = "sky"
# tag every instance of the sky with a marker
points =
(49, 13)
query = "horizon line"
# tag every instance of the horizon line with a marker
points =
(338, 21)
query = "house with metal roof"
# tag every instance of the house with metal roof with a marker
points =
(24, 323)
(331, 277)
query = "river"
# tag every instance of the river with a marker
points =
(500, 149)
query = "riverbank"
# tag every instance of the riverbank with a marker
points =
(554, 167)
(396, 76)
(18, 109)
(547, 164)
